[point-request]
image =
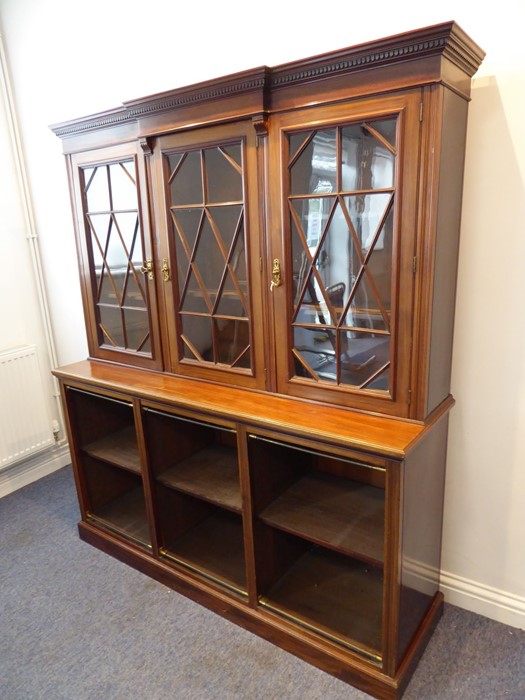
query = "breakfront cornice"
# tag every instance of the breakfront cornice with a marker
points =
(447, 41)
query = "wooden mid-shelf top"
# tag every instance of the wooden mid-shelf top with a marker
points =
(211, 473)
(344, 515)
(118, 448)
(381, 435)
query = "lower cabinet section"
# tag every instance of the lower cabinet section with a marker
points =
(326, 548)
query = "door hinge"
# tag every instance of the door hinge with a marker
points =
(409, 397)
(420, 111)
(260, 265)
(414, 264)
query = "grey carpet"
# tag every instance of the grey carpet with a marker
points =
(76, 624)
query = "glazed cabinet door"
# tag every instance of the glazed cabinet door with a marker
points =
(343, 189)
(115, 255)
(206, 193)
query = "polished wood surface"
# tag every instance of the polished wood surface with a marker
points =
(211, 474)
(362, 431)
(118, 448)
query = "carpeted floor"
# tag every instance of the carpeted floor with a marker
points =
(76, 624)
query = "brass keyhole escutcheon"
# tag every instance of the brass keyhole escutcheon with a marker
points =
(147, 268)
(165, 270)
(276, 274)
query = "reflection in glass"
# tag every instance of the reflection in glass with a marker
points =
(342, 246)
(232, 341)
(315, 169)
(366, 162)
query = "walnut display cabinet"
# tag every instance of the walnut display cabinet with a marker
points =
(268, 271)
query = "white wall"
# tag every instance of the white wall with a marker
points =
(23, 312)
(70, 59)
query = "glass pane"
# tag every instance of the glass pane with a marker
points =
(312, 214)
(238, 265)
(315, 170)
(313, 307)
(198, 333)
(362, 355)
(194, 299)
(366, 212)
(365, 310)
(209, 260)
(111, 326)
(97, 188)
(381, 382)
(316, 346)
(387, 129)
(226, 221)
(186, 185)
(99, 226)
(137, 328)
(234, 151)
(116, 258)
(108, 292)
(366, 162)
(187, 226)
(123, 187)
(134, 293)
(127, 225)
(232, 340)
(338, 262)
(223, 180)
(230, 303)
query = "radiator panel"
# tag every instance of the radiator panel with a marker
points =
(25, 423)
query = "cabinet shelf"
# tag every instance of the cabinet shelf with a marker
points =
(344, 515)
(211, 474)
(125, 515)
(213, 548)
(334, 596)
(118, 448)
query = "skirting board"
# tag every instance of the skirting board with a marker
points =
(484, 600)
(42, 464)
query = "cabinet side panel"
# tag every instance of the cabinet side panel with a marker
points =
(422, 510)
(447, 242)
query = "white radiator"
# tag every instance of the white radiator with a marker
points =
(25, 423)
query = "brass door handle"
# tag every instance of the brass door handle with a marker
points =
(276, 275)
(147, 268)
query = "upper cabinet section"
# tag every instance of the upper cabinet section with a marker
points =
(291, 229)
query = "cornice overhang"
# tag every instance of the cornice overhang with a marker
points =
(447, 40)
